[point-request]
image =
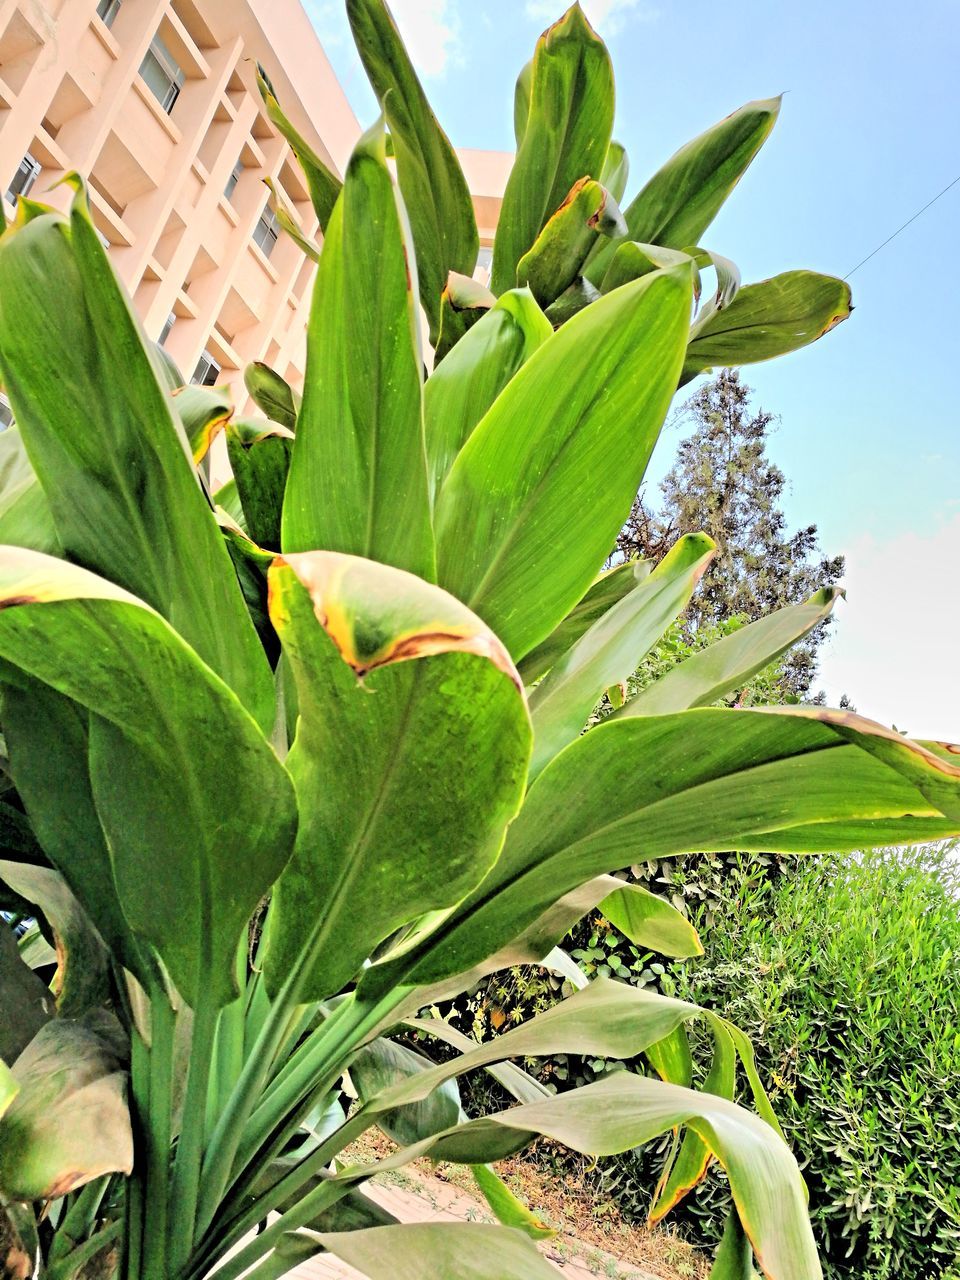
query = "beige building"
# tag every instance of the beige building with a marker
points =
(156, 102)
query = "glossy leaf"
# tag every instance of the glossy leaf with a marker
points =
(25, 516)
(527, 516)
(566, 137)
(203, 411)
(646, 787)
(322, 182)
(69, 1123)
(650, 921)
(608, 588)
(613, 647)
(553, 261)
(434, 189)
(707, 676)
(461, 389)
(397, 684)
(272, 394)
(681, 200)
(200, 820)
(766, 320)
(463, 303)
(112, 479)
(260, 455)
(358, 476)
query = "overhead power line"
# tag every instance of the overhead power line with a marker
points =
(904, 227)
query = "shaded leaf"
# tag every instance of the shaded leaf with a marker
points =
(632, 260)
(260, 455)
(25, 1004)
(382, 1063)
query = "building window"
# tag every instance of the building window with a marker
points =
(161, 74)
(6, 413)
(234, 178)
(165, 331)
(266, 232)
(24, 178)
(207, 371)
(107, 11)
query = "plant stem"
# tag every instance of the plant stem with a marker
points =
(67, 1267)
(158, 1138)
(186, 1170)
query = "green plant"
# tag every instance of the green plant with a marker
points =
(273, 780)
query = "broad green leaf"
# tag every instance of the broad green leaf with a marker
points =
(435, 191)
(358, 476)
(25, 1002)
(25, 516)
(398, 684)
(69, 1122)
(48, 741)
(681, 200)
(616, 170)
(288, 222)
(382, 1063)
(613, 647)
(260, 454)
(650, 921)
(8, 1087)
(606, 1019)
(608, 588)
(109, 452)
(707, 676)
(531, 508)
(508, 1208)
(81, 981)
(272, 394)
(566, 137)
(792, 780)
(734, 1256)
(200, 820)
(521, 101)
(461, 389)
(767, 319)
(624, 1110)
(631, 260)
(466, 1250)
(553, 261)
(322, 182)
(203, 411)
(463, 303)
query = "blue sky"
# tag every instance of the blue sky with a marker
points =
(869, 131)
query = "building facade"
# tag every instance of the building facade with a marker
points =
(155, 102)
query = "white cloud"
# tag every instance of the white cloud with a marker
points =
(893, 645)
(607, 16)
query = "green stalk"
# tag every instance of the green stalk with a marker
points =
(134, 1192)
(68, 1266)
(79, 1218)
(186, 1171)
(158, 1136)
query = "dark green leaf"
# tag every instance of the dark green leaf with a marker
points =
(383, 1063)
(260, 460)
(272, 394)
(25, 1003)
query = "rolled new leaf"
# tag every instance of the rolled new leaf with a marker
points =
(681, 200)
(358, 476)
(461, 389)
(109, 451)
(200, 821)
(766, 320)
(529, 510)
(397, 684)
(272, 394)
(565, 138)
